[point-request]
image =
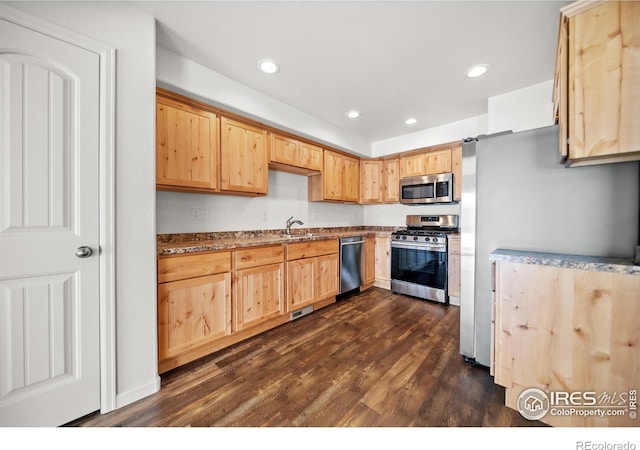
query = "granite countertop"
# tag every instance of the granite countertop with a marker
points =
(180, 243)
(595, 263)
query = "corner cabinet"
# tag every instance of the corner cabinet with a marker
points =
(186, 147)
(339, 180)
(597, 82)
(244, 158)
(379, 181)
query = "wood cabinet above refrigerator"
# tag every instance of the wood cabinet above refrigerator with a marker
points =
(597, 82)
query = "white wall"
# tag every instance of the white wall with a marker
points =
(182, 75)
(132, 33)
(450, 132)
(287, 197)
(520, 110)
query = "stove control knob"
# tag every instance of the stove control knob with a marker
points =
(435, 239)
(404, 238)
(415, 238)
(426, 239)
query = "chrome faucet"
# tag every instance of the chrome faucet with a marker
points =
(291, 222)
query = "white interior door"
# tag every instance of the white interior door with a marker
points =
(49, 208)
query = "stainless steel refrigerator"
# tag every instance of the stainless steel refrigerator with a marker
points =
(516, 195)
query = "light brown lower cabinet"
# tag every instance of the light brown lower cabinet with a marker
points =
(258, 281)
(208, 301)
(369, 262)
(312, 273)
(573, 334)
(382, 265)
(194, 306)
(453, 268)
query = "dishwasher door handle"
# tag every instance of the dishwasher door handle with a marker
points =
(352, 243)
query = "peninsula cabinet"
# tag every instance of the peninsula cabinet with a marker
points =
(291, 155)
(194, 306)
(379, 181)
(597, 82)
(568, 324)
(244, 158)
(339, 180)
(312, 273)
(186, 147)
(258, 284)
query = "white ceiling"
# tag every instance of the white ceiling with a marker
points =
(390, 60)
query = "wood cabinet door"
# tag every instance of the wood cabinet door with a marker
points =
(369, 259)
(427, 163)
(186, 146)
(382, 267)
(371, 181)
(301, 283)
(310, 156)
(327, 272)
(453, 267)
(283, 150)
(332, 176)
(244, 159)
(413, 165)
(193, 312)
(456, 169)
(438, 161)
(604, 75)
(351, 180)
(391, 180)
(259, 295)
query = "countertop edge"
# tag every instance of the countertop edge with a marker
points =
(567, 261)
(250, 239)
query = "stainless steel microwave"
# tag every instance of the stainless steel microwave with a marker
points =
(427, 189)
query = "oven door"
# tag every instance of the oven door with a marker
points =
(419, 271)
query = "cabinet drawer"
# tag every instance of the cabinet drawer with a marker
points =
(254, 257)
(310, 249)
(181, 267)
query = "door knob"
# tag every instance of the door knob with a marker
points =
(84, 252)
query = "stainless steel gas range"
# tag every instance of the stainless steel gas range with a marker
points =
(419, 257)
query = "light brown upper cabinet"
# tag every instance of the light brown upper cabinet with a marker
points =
(244, 158)
(291, 155)
(371, 181)
(186, 147)
(339, 180)
(597, 82)
(456, 168)
(425, 162)
(379, 181)
(391, 180)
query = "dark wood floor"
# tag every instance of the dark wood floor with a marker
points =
(372, 359)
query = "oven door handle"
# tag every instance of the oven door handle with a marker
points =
(411, 246)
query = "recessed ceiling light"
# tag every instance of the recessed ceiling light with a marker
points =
(353, 114)
(410, 121)
(268, 66)
(477, 70)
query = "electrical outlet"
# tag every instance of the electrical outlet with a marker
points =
(196, 214)
(204, 214)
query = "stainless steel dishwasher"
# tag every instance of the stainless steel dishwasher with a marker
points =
(351, 263)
